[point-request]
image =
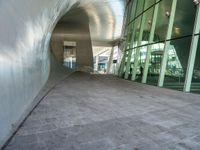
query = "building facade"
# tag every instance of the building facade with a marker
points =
(160, 43)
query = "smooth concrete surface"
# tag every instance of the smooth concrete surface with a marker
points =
(25, 32)
(26, 27)
(103, 112)
(77, 32)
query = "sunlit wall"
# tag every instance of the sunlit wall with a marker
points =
(25, 32)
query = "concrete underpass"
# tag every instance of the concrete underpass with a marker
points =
(99, 75)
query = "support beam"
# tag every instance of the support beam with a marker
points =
(136, 57)
(151, 37)
(167, 44)
(123, 61)
(128, 64)
(131, 40)
(193, 51)
(122, 65)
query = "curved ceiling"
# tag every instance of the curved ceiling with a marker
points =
(25, 31)
(105, 18)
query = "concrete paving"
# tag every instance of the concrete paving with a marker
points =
(103, 112)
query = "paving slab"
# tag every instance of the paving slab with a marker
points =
(104, 112)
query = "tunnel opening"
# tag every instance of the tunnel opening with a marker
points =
(34, 57)
(78, 43)
(52, 56)
(71, 43)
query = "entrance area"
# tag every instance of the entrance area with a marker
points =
(69, 54)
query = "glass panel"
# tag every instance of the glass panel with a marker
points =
(125, 63)
(195, 88)
(150, 3)
(145, 38)
(163, 20)
(137, 29)
(128, 13)
(132, 63)
(177, 63)
(155, 63)
(147, 26)
(141, 63)
(133, 10)
(184, 18)
(140, 5)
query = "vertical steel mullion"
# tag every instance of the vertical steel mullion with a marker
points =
(151, 38)
(128, 65)
(132, 10)
(121, 69)
(129, 12)
(193, 51)
(167, 44)
(129, 55)
(143, 19)
(124, 55)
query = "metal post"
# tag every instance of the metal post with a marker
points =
(143, 19)
(121, 69)
(193, 51)
(129, 56)
(151, 37)
(167, 44)
(131, 41)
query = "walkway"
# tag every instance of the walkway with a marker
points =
(99, 112)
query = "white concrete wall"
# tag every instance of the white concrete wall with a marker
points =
(81, 35)
(25, 31)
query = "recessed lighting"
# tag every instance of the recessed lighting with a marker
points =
(149, 22)
(177, 30)
(167, 13)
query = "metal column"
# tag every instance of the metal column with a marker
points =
(131, 42)
(121, 69)
(129, 56)
(167, 44)
(134, 71)
(151, 37)
(193, 51)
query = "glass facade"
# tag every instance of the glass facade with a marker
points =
(145, 43)
(195, 87)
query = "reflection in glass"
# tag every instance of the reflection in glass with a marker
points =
(195, 88)
(177, 63)
(163, 20)
(184, 18)
(179, 48)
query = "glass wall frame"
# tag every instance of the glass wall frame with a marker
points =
(179, 41)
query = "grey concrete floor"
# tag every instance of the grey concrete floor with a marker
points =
(103, 112)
